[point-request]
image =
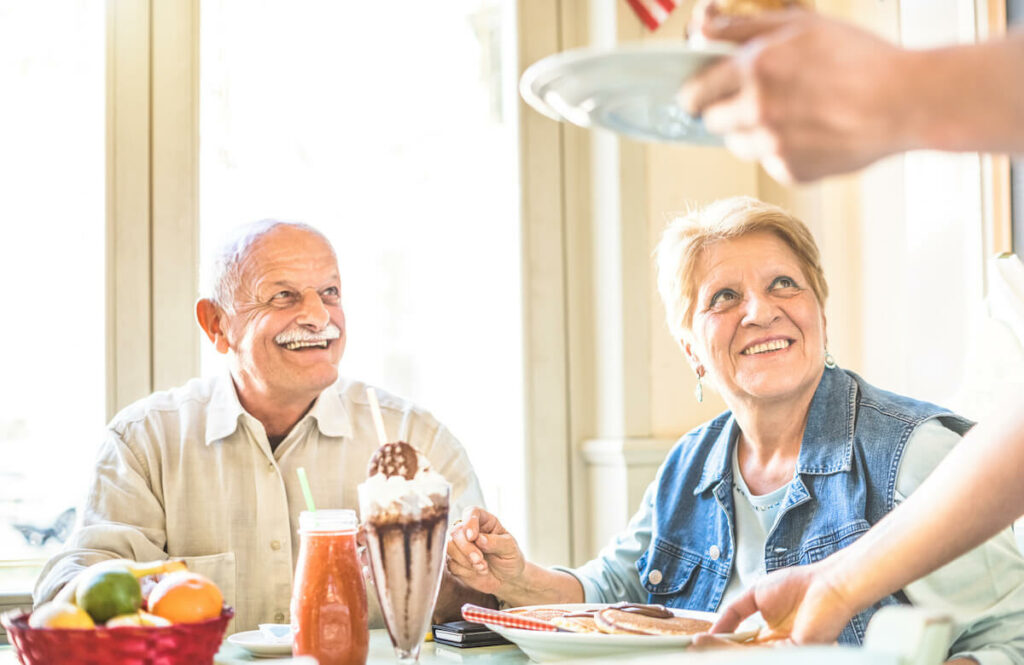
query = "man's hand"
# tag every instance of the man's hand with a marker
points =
(483, 555)
(806, 95)
(798, 604)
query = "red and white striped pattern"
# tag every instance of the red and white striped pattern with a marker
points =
(652, 12)
(478, 614)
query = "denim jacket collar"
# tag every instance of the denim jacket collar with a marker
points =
(827, 446)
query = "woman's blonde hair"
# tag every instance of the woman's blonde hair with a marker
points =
(687, 236)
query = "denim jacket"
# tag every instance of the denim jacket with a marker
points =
(845, 482)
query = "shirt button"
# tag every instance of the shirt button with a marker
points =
(279, 617)
(714, 552)
(275, 545)
(270, 467)
(654, 577)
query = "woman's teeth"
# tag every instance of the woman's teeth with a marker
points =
(291, 346)
(774, 345)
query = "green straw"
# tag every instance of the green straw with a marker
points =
(305, 489)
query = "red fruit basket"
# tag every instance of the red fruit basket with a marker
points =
(180, 644)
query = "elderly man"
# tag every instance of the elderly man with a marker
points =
(207, 472)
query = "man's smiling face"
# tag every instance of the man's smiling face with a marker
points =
(286, 327)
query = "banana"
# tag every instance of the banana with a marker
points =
(139, 570)
(156, 567)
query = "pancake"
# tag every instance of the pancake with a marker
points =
(577, 624)
(618, 621)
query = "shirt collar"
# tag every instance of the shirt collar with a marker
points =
(827, 446)
(225, 409)
(330, 414)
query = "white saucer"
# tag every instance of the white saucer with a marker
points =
(629, 89)
(254, 642)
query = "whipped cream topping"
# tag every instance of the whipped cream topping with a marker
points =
(400, 496)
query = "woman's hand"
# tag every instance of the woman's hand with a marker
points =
(799, 604)
(483, 555)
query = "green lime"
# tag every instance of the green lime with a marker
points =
(109, 593)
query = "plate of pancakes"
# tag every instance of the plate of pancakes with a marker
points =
(595, 629)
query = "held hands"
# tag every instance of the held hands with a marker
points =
(483, 555)
(806, 95)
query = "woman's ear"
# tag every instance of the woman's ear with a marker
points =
(691, 356)
(211, 319)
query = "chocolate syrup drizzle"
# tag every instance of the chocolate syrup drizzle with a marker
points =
(653, 611)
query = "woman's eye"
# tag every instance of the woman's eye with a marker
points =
(723, 297)
(784, 283)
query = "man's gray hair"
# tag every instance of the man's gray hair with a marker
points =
(225, 268)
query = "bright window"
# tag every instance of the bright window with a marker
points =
(52, 169)
(392, 128)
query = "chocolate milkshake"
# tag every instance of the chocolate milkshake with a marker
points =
(404, 507)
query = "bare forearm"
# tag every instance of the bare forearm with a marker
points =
(967, 98)
(539, 585)
(976, 492)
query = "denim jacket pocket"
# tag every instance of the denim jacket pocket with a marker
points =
(819, 547)
(666, 568)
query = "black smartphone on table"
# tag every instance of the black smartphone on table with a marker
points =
(466, 634)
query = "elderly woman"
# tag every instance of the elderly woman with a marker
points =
(805, 460)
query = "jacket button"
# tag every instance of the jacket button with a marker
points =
(654, 577)
(275, 545)
(714, 552)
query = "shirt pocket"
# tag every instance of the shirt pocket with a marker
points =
(218, 567)
(667, 570)
(823, 545)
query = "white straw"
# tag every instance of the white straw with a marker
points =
(371, 395)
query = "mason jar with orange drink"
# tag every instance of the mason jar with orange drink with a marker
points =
(329, 619)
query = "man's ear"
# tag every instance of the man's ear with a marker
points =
(691, 356)
(211, 320)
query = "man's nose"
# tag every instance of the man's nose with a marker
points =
(313, 312)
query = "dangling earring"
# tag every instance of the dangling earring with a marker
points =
(698, 392)
(830, 362)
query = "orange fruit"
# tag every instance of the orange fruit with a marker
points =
(185, 597)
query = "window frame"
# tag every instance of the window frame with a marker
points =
(153, 175)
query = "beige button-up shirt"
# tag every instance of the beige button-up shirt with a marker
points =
(189, 474)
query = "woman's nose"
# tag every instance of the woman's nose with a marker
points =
(760, 310)
(313, 312)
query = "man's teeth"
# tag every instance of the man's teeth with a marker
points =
(291, 346)
(774, 345)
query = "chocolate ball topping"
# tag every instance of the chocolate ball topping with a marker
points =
(394, 459)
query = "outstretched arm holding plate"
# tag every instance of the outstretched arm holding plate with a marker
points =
(809, 96)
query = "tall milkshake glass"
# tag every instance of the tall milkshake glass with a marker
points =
(406, 522)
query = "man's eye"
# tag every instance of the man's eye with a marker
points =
(282, 296)
(784, 282)
(332, 292)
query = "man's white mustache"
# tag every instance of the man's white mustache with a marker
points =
(302, 335)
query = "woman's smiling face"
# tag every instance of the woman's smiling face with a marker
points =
(758, 329)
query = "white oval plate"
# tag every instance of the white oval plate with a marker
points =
(629, 89)
(543, 646)
(254, 642)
